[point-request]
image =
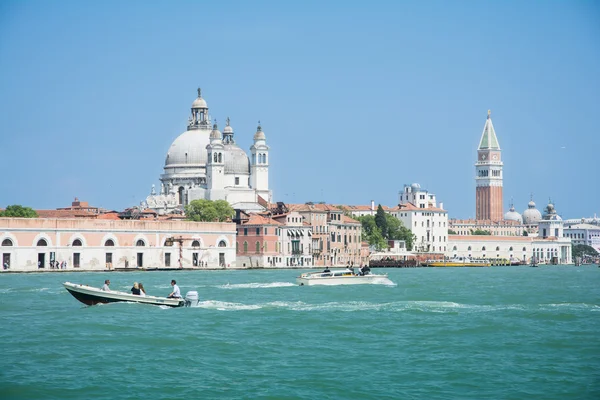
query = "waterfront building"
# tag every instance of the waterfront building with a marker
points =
(582, 233)
(496, 228)
(340, 235)
(551, 246)
(30, 244)
(418, 211)
(203, 163)
(488, 175)
(281, 241)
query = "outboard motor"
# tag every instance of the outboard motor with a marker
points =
(191, 299)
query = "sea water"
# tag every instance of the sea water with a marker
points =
(434, 333)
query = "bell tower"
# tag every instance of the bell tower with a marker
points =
(488, 175)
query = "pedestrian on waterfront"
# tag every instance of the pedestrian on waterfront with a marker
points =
(176, 293)
(135, 289)
(6, 266)
(105, 288)
(142, 290)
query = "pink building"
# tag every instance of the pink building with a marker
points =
(32, 244)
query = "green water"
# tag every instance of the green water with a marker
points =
(446, 333)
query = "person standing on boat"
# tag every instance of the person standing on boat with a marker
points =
(105, 288)
(135, 289)
(175, 294)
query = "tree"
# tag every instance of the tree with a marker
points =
(397, 231)
(480, 232)
(209, 211)
(525, 233)
(381, 221)
(580, 250)
(371, 233)
(17, 211)
(451, 232)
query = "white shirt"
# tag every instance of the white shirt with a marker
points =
(142, 293)
(105, 288)
(176, 292)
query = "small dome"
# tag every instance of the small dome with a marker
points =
(531, 215)
(228, 129)
(415, 187)
(512, 215)
(259, 135)
(551, 214)
(199, 103)
(236, 160)
(215, 133)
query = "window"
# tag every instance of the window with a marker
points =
(195, 243)
(498, 248)
(167, 259)
(245, 231)
(258, 231)
(140, 243)
(245, 247)
(266, 231)
(109, 243)
(257, 247)
(76, 242)
(469, 249)
(7, 242)
(265, 247)
(237, 181)
(222, 243)
(42, 242)
(483, 248)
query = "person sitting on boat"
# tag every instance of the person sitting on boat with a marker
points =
(105, 288)
(175, 294)
(142, 290)
(135, 289)
(326, 269)
(365, 270)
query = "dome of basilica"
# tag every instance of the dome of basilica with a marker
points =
(532, 215)
(236, 160)
(512, 215)
(189, 148)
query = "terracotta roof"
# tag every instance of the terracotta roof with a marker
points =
(363, 208)
(346, 219)
(255, 219)
(110, 215)
(412, 207)
(66, 214)
(483, 222)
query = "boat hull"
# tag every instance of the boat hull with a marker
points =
(90, 296)
(313, 280)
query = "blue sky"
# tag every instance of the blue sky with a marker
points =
(356, 98)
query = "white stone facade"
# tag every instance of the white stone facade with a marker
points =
(190, 173)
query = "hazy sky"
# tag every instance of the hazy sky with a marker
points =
(356, 98)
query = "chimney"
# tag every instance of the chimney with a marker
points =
(441, 205)
(372, 205)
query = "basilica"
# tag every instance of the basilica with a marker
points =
(205, 163)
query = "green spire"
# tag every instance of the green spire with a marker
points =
(489, 141)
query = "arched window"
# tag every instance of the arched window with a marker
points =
(511, 249)
(77, 242)
(109, 243)
(524, 249)
(220, 157)
(195, 243)
(454, 248)
(483, 248)
(237, 247)
(215, 157)
(469, 249)
(257, 247)
(245, 247)
(265, 247)
(7, 242)
(42, 242)
(222, 243)
(497, 248)
(140, 243)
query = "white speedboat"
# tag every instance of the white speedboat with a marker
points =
(339, 277)
(90, 296)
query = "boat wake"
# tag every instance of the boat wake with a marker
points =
(256, 285)
(396, 306)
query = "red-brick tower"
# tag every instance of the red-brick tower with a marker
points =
(488, 178)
